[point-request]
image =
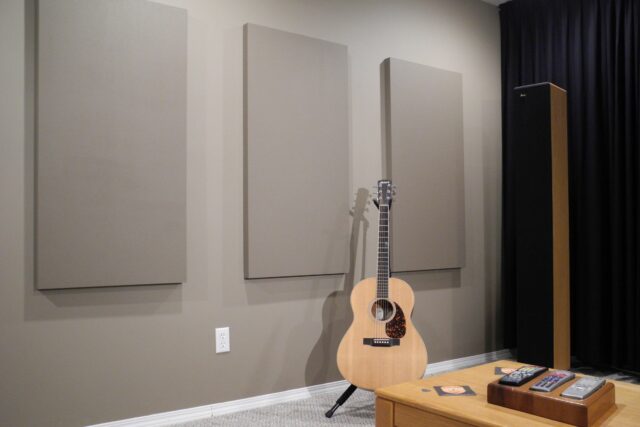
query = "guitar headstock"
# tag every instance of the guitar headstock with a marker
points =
(385, 193)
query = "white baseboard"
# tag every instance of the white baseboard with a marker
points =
(467, 362)
(208, 411)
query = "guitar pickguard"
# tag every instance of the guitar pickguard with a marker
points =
(396, 327)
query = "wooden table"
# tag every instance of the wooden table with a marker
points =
(407, 405)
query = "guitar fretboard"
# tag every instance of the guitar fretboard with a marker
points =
(383, 252)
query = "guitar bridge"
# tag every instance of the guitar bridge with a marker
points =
(381, 342)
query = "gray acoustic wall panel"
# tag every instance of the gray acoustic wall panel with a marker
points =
(296, 155)
(111, 144)
(423, 137)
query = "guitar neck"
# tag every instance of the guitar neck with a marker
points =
(383, 252)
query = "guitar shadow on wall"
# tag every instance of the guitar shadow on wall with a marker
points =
(336, 310)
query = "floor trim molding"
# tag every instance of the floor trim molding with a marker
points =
(467, 362)
(208, 411)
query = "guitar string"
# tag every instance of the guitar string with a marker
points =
(388, 308)
(384, 272)
(386, 263)
(388, 253)
(378, 280)
(383, 300)
(381, 272)
(377, 325)
(382, 278)
(378, 259)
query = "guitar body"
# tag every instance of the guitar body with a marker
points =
(369, 366)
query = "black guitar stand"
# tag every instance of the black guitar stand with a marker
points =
(347, 394)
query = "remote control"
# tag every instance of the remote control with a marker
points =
(583, 388)
(552, 381)
(522, 375)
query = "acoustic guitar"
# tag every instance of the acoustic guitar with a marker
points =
(382, 346)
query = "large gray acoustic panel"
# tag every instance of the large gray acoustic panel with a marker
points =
(296, 155)
(423, 139)
(111, 144)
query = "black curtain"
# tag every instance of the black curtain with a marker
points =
(592, 49)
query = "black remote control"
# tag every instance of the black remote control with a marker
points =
(522, 375)
(552, 381)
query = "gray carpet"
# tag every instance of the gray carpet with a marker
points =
(357, 411)
(607, 373)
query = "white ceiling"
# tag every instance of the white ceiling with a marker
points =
(495, 2)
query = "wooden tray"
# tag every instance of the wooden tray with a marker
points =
(551, 405)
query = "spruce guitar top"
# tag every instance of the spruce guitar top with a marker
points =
(382, 347)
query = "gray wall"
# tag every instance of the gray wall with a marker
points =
(74, 357)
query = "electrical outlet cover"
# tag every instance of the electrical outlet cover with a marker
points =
(222, 340)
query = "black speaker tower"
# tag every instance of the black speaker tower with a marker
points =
(542, 225)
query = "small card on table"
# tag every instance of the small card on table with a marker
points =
(454, 390)
(499, 370)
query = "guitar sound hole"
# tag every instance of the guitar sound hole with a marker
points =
(382, 310)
